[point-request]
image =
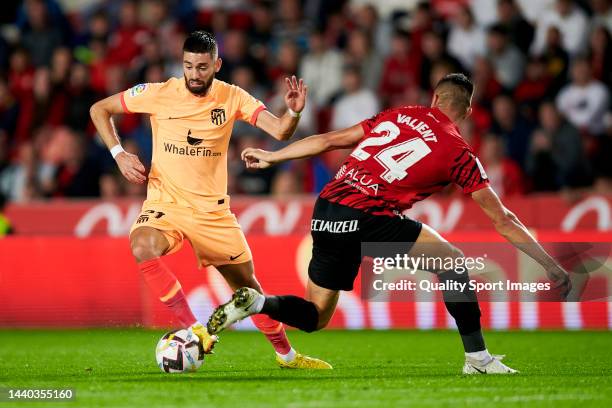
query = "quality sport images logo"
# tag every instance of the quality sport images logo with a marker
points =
(196, 151)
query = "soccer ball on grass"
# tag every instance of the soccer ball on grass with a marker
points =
(179, 351)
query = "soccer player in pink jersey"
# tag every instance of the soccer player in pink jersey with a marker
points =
(191, 120)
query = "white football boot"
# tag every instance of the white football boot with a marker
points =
(244, 303)
(494, 366)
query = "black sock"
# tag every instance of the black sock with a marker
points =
(473, 342)
(292, 310)
(463, 306)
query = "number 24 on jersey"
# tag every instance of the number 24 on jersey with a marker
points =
(396, 158)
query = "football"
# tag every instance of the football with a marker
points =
(179, 351)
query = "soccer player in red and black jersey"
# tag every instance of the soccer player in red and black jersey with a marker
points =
(400, 156)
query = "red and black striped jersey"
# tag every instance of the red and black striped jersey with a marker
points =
(406, 154)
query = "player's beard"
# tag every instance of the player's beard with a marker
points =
(199, 88)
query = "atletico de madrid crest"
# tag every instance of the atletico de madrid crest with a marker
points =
(217, 116)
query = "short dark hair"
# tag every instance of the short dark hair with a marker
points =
(456, 89)
(458, 79)
(201, 42)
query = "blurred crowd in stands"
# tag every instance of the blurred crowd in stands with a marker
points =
(543, 73)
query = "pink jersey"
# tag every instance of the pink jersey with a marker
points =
(406, 154)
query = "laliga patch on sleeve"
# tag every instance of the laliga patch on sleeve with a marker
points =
(138, 89)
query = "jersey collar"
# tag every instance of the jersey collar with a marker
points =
(445, 118)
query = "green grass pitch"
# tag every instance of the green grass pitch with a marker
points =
(116, 368)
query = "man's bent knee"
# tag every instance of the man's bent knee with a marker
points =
(325, 313)
(148, 243)
(322, 323)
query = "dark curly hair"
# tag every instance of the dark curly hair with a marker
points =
(201, 42)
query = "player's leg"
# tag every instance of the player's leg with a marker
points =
(242, 275)
(312, 313)
(248, 300)
(325, 300)
(461, 305)
(149, 245)
(307, 314)
(218, 240)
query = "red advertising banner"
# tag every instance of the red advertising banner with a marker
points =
(70, 282)
(284, 217)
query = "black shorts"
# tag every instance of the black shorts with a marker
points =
(337, 233)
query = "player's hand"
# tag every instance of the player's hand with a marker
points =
(561, 279)
(131, 167)
(295, 98)
(256, 158)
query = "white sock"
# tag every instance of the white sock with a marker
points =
(258, 304)
(287, 358)
(483, 357)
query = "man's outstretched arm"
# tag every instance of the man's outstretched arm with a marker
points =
(511, 228)
(101, 114)
(307, 147)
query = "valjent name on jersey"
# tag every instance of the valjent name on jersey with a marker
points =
(418, 126)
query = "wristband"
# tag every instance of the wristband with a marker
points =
(116, 149)
(293, 113)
